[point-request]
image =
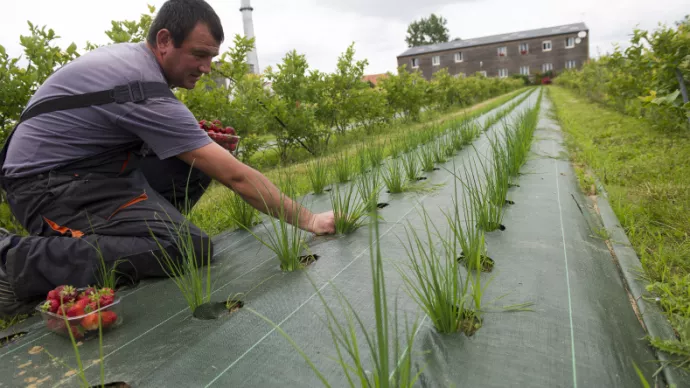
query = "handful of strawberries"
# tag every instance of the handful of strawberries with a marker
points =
(81, 308)
(224, 136)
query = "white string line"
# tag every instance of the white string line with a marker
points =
(567, 274)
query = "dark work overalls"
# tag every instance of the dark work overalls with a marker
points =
(116, 202)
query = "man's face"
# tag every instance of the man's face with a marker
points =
(184, 66)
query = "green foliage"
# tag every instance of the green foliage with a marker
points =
(642, 80)
(405, 92)
(427, 31)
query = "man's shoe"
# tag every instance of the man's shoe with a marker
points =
(10, 306)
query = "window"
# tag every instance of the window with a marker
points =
(502, 51)
(570, 43)
(546, 67)
(458, 57)
(524, 70)
(415, 63)
(436, 60)
(483, 73)
(570, 64)
(524, 48)
(546, 45)
(502, 73)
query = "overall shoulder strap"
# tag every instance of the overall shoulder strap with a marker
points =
(132, 92)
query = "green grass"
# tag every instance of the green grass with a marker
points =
(646, 175)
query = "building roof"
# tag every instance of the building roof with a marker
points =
(374, 78)
(529, 34)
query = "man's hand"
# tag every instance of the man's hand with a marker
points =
(323, 223)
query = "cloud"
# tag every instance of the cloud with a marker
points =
(323, 29)
(400, 10)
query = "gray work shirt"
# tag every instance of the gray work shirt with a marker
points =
(52, 139)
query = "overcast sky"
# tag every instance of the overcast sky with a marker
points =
(322, 29)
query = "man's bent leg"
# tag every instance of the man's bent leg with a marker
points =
(73, 219)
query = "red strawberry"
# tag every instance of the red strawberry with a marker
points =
(202, 123)
(108, 318)
(54, 295)
(68, 294)
(106, 300)
(75, 310)
(50, 305)
(233, 147)
(62, 310)
(216, 122)
(90, 322)
(234, 140)
(106, 291)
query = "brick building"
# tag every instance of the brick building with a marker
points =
(525, 52)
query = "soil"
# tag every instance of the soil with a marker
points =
(381, 205)
(421, 178)
(513, 185)
(470, 323)
(308, 259)
(494, 226)
(115, 384)
(509, 202)
(234, 305)
(436, 169)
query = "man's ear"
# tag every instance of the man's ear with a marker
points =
(164, 41)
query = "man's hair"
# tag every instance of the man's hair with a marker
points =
(181, 16)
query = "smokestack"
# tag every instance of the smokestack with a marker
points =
(252, 58)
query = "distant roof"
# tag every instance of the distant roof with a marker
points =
(529, 34)
(373, 78)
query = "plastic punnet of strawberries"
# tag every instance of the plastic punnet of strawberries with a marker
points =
(226, 137)
(80, 308)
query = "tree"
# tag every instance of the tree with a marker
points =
(427, 31)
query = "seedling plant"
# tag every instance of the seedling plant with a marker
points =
(317, 171)
(369, 187)
(342, 168)
(348, 210)
(411, 165)
(452, 303)
(393, 177)
(426, 157)
(285, 240)
(242, 213)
